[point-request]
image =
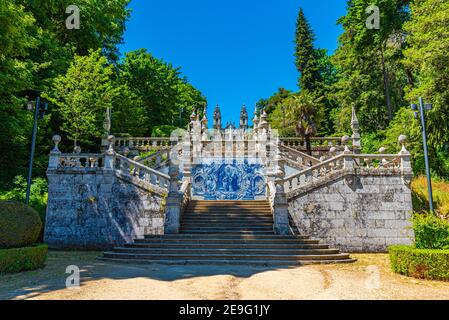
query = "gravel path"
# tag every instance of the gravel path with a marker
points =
(369, 278)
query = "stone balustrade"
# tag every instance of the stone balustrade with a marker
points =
(79, 161)
(315, 141)
(135, 169)
(298, 159)
(143, 144)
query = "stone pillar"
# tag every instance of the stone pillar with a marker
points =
(406, 164)
(356, 141)
(109, 156)
(348, 160)
(280, 204)
(173, 203)
(55, 154)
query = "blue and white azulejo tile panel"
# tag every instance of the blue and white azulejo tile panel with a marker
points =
(229, 180)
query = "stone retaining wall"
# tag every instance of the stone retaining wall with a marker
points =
(356, 213)
(96, 209)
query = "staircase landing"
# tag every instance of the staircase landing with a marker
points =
(227, 232)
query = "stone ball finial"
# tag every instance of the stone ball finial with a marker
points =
(77, 149)
(402, 139)
(345, 140)
(382, 150)
(333, 151)
(126, 151)
(111, 138)
(56, 140)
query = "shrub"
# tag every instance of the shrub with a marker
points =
(20, 225)
(420, 263)
(22, 259)
(431, 232)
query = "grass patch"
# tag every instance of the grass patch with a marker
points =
(440, 196)
(23, 259)
(420, 263)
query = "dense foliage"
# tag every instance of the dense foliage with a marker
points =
(81, 74)
(431, 232)
(380, 72)
(420, 263)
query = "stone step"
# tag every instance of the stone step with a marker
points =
(229, 224)
(226, 250)
(205, 236)
(234, 245)
(225, 256)
(235, 240)
(271, 263)
(226, 220)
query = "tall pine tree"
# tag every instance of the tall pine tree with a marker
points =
(306, 58)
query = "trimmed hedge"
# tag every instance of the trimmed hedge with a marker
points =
(20, 225)
(431, 232)
(23, 259)
(420, 263)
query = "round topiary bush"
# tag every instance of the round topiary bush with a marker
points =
(20, 225)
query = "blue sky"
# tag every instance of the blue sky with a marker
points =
(234, 51)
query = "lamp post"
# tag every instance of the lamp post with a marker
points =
(39, 111)
(422, 108)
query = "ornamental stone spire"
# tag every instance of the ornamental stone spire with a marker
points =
(244, 118)
(356, 145)
(217, 118)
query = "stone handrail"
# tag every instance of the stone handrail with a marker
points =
(155, 160)
(135, 169)
(322, 169)
(298, 159)
(369, 163)
(80, 161)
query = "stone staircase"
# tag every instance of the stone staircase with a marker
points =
(227, 232)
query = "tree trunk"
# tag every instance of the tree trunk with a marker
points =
(386, 86)
(308, 145)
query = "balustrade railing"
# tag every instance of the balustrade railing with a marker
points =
(313, 173)
(298, 159)
(143, 144)
(80, 161)
(155, 160)
(315, 142)
(135, 169)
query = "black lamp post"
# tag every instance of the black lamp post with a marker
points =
(39, 111)
(420, 112)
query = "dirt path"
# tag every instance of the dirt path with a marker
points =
(369, 278)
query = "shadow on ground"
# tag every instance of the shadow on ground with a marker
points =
(52, 277)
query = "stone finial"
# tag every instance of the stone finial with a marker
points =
(382, 150)
(333, 151)
(193, 116)
(56, 140)
(345, 141)
(263, 124)
(107, 122)
(356, 144)
(77, 150)
(111, 140)
(126, 151)
(402, 140)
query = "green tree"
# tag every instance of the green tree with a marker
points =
(82, 96)
(306, 55)
(160, 88)
(427, 57)
(305, 112)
